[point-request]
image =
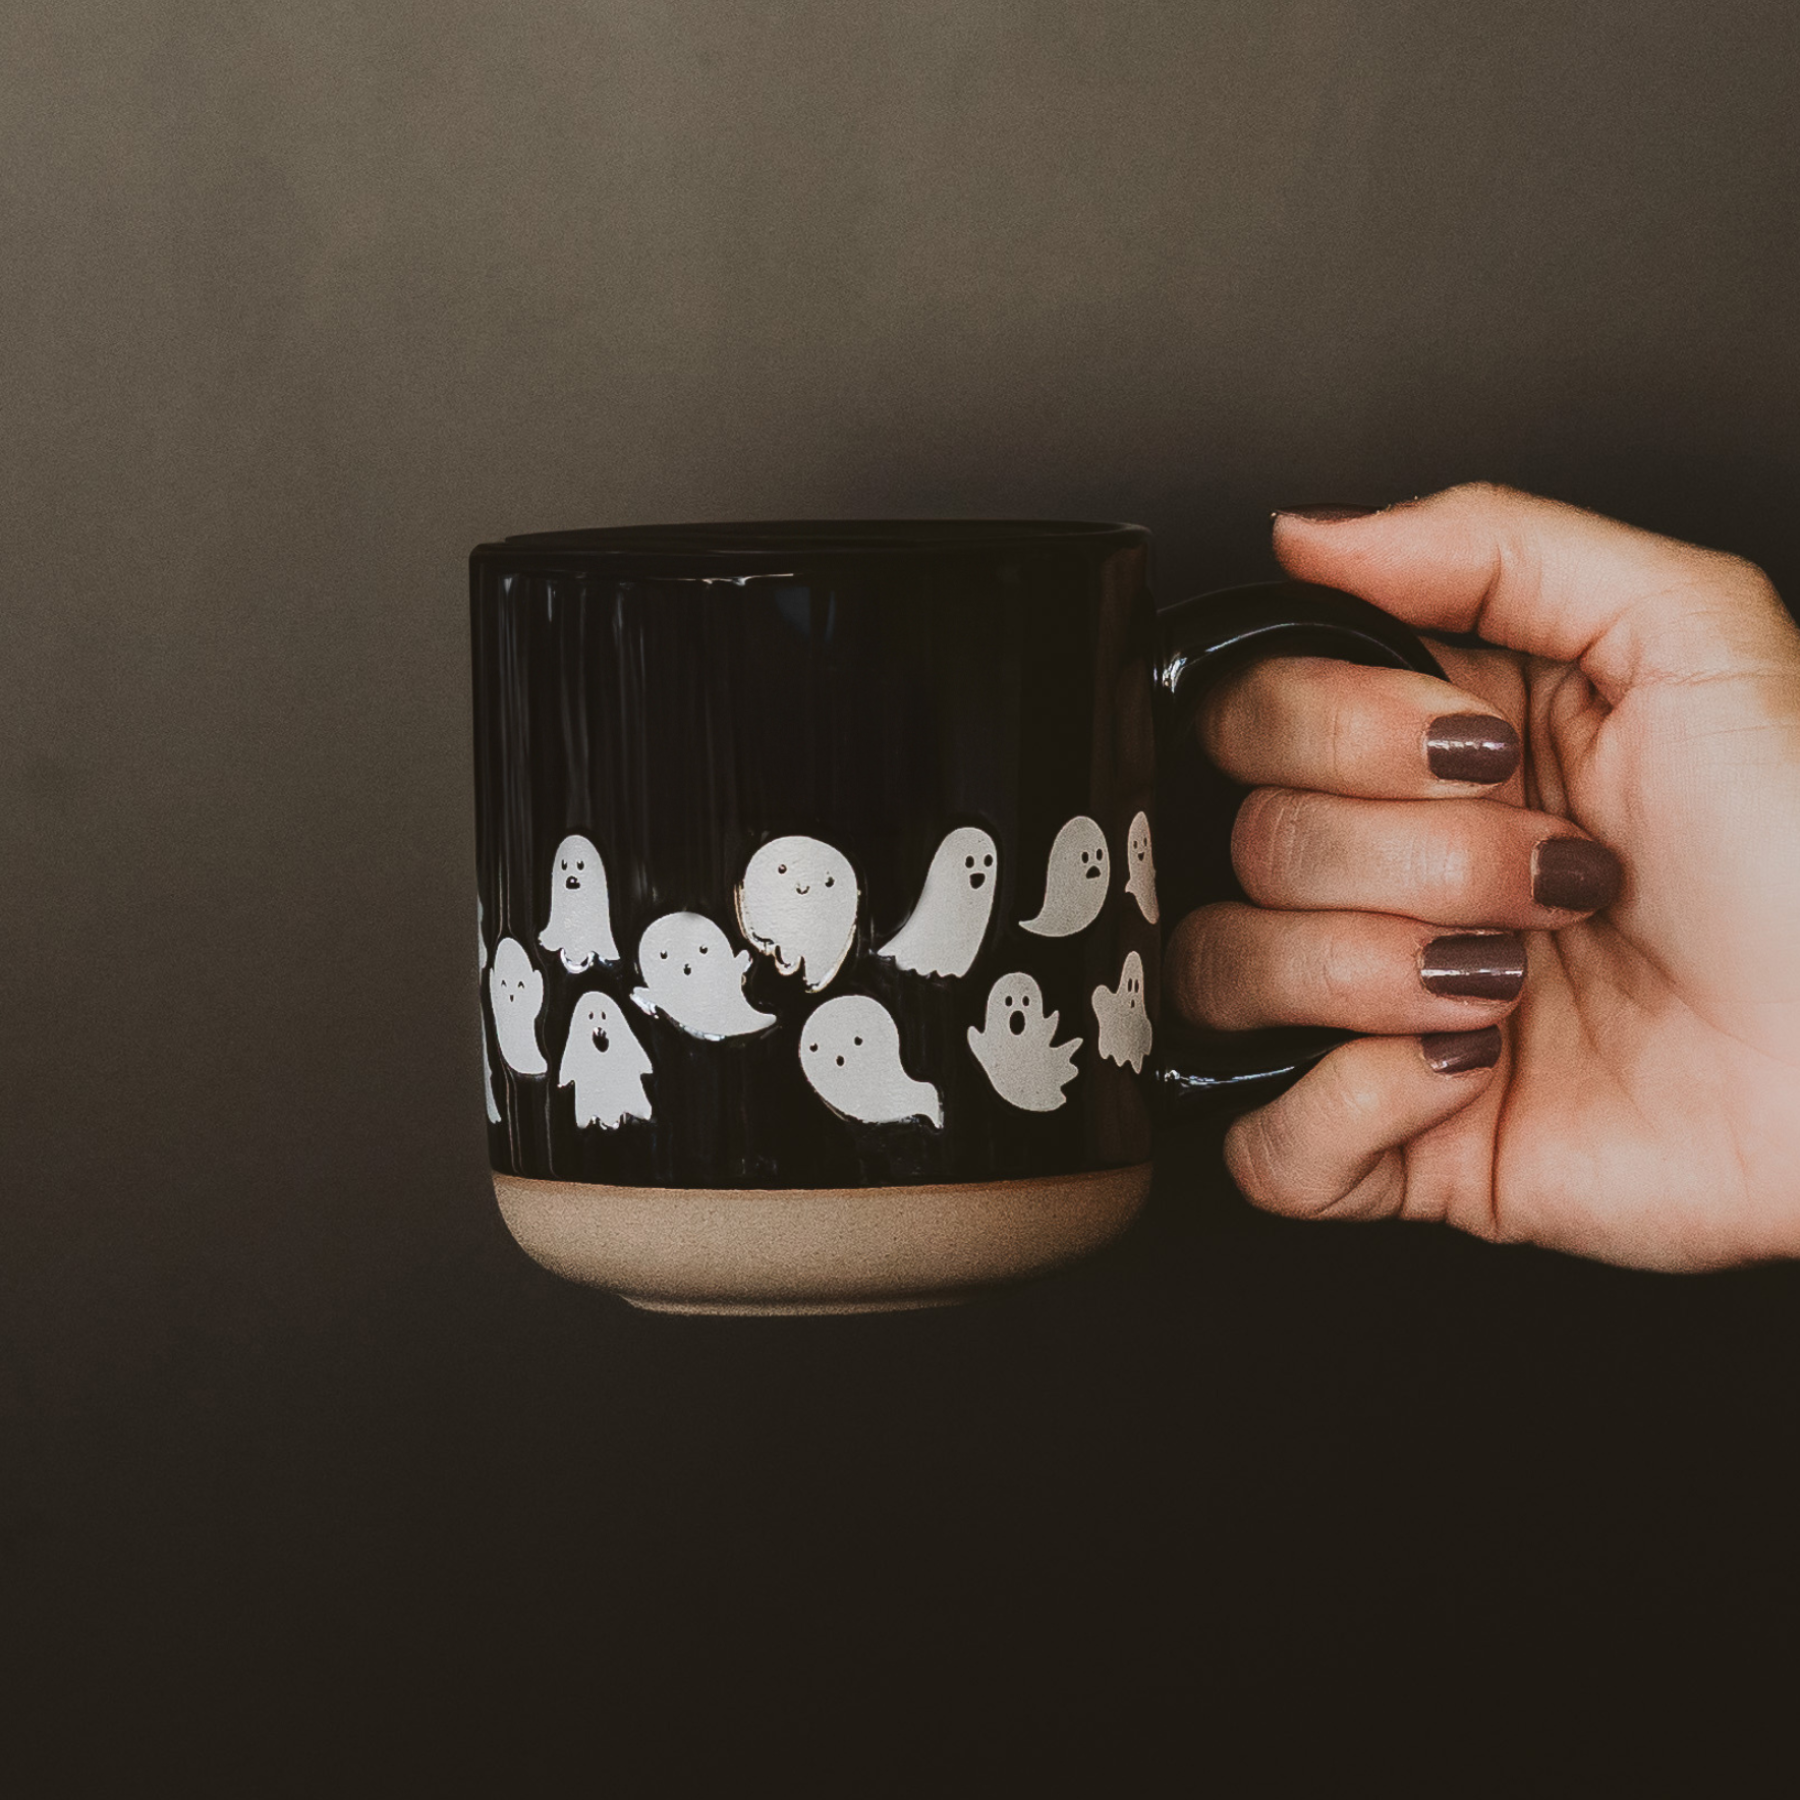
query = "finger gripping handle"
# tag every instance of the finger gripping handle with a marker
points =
(1203, 641)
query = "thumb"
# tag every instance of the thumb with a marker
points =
(1550, 580)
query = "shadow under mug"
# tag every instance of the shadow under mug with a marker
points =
(823, 875)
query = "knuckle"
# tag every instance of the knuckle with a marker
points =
(1484, 500)
(1228, 714)
(1337, 975)
(1380, 1194)
(1340, 743)
(1269, 840)
(1208, 963)
(1255, 1160)
(1359, 1099)
(1439, 866)
(1747, 580)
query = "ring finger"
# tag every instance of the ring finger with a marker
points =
(1453, 862)
(1237, 968)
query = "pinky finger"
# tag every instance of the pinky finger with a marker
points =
(1334, 1144)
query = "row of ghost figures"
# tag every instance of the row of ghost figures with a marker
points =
(796, 905)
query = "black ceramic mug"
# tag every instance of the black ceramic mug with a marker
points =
(820, 923)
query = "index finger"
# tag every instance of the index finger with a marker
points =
(1336, 728)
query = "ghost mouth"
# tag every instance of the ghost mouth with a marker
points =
(1093, 874)
(601, 1042)
(977, 879)
(573, 881)
(804, 890)
(1016, 1024)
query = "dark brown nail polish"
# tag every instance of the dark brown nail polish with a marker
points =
(1471, 747)
(1575, 874)
(1328, 514)
(1457, 1052)
(1489, 965)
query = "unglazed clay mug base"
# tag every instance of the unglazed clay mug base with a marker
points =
(809, 1250)
(820, 928)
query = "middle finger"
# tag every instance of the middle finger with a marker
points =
(1449, 862)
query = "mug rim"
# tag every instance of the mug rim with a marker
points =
(773, 541)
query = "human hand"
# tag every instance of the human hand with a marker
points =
(1636, 1095)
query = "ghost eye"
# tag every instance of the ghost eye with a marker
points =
(814, 1048)
(665, 955)
(565, 862)
(703, 949)
(579, 865)
(968, 862)
(859, 1040)
(1084, 856)
(1024, 999)
(1008, 1000)
(831, 881)
(987, 862)
(781, 869)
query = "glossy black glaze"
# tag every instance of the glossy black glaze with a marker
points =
(1203, 640)
(682, 696)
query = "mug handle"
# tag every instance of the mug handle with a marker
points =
(1202, 641)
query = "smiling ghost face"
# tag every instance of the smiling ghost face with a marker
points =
(797, 905)
(1075, 882)
(1140, 868)
(850, 1053)
(516, 994)
(691, 976)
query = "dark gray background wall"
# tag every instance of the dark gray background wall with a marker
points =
(298, 302)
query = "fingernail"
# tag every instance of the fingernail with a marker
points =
(1457, 1052)
(1471, 747)
(1575, 874)
(1489, 965)
(1328, 514)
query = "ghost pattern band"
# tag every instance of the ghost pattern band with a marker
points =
(797, 904)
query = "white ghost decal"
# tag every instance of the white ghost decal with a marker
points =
(516, 993)
(1123, 1018)
(1075, 883)
(850, 1052)
(944, 934)
(797, 904)
(1140, 867)
(1015, 1050)
(580, 925)
(691, 976)
(605, 1065)
(487, 1068)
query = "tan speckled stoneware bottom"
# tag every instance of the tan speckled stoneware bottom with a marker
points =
(815, 1250)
